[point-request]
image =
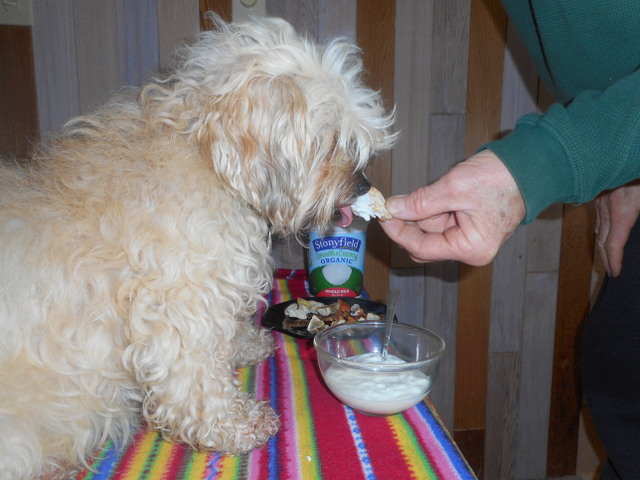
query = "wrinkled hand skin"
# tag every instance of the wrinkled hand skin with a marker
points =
(616, 212)
(466, 215)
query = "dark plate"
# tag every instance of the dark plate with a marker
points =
(274, 316)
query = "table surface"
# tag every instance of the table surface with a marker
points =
(319, 438)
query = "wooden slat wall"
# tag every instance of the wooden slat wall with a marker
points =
(84, 51)
(502, 319)
(430, 92)
(573, 306)
(54, 51)
(376, 36)
(487, 34)
(443, 64)
(509, 287)
(18, 106)
(179, 24)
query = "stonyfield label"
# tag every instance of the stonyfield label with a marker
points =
(336, 261)
(333, 243)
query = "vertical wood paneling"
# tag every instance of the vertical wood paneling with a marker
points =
(54, 52)
(451, 34)
(484, 88)
(535, 388)
(505, 336)
(302, 14)
(573, 307)
(440, 300)
(221, 7)
(376, 36)
(519, 98)
(448, 150)
(501, 429)
(18, 104)
(432, 133)
(337, 18)
(543, 249)
(520, 82)
(138, 46)
(591, 454)
(97, 52)
(84, 51)
(410, 283)
(412, 95)
(515, 323)
(507, 295)
(441, 288)
(178, 25)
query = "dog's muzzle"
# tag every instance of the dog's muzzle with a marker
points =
(361, 185)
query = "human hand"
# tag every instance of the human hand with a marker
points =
(616, 213)
(466, 215)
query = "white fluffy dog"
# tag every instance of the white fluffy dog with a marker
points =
(134, 247)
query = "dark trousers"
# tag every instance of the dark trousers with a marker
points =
(611, 366)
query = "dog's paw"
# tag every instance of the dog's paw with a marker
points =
(249, 427)
(254, 346)
(262, 424)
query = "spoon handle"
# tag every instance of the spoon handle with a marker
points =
(392, 303)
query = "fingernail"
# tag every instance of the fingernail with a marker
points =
(395, 204)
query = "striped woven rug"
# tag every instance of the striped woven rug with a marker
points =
(319, 439)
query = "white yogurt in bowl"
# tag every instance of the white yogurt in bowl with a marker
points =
(382, 393)
(353, 369)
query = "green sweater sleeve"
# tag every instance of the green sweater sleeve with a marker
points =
(573, 152)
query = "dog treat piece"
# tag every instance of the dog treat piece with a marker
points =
(371, 205)
(292, 323)
(316, 325)
(295, 310)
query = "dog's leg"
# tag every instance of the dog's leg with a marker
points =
(198, 402)
(186, 366)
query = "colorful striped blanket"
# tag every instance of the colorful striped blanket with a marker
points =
(319, 439)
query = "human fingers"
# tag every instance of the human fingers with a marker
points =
(603, 222)
(623, 213)
(423, 204)
(421, 246)
(461, 241)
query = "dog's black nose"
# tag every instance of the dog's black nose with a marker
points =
(363, 185)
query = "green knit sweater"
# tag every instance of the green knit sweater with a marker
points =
(588, 54)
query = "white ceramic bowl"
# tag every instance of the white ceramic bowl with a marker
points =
(349, 356)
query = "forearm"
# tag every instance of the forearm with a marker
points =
(572, 153)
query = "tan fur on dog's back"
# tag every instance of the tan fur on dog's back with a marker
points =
(134, 247)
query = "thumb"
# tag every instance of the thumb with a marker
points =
(420, 204)
(397, 206)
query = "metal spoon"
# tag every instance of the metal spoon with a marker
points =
(392, 304)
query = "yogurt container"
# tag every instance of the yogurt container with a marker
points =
(336, 260)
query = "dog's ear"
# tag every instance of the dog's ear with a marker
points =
(258, 141)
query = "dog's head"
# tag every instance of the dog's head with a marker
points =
(288, 125)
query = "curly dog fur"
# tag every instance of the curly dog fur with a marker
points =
(134, 246)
